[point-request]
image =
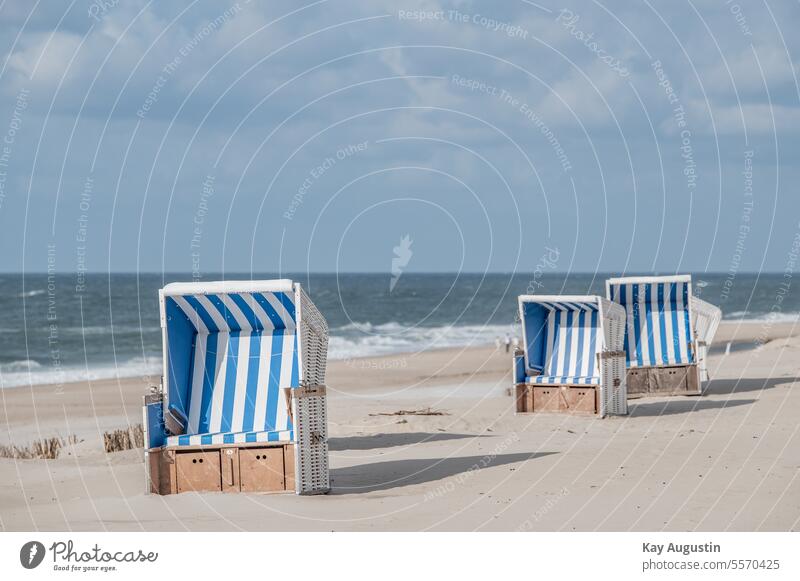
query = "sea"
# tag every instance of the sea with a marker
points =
(55, 329)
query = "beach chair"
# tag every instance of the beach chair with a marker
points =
(667, 335)
(572, 359)
(242, 403)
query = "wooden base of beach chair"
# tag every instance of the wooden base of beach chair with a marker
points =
(256, 467)
(657, 381)
(559, 398)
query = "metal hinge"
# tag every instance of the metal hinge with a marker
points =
(607, 354)
(309, 391)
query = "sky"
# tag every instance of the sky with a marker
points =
(426, 135)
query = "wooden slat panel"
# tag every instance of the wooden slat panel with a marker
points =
(198, 471)
(230, 469)
(547, 399)
(261, 469)
(581, 400)
(288, 466)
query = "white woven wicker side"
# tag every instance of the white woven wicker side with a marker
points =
(314, 341)
(705, 321)
(614, 393)
(312, 474)
(309, 403)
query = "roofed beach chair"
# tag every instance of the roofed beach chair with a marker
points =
(242, 403)
(668, 333)
(572, 359)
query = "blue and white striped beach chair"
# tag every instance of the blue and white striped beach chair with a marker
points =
(572, 359)
(667, 334)
(242, 405)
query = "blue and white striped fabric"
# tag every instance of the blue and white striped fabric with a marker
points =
(658, 328)
(230, 438)
(243, 352)
(576, 379)
(562, 341)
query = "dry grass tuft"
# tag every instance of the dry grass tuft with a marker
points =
(127, 439)
(46, 449)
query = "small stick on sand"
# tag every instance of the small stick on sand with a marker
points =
(422, 412)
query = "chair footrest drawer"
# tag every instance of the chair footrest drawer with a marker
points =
(574, 399)
(222, 469)
(671, 380)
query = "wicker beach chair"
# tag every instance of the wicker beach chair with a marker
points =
(242, 404)
(572, 359)
(667, 335)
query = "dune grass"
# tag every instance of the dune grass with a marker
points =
(46, 448)
(49, 448)
(124, 439)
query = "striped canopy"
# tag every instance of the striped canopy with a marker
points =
(562, 339)
(229, 355)
(658, 330)
(211, 313)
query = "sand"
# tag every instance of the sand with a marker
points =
(728, 460)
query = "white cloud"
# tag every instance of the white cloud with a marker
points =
(589, 96)
(44, 56)
(743, 72)
(758, 117)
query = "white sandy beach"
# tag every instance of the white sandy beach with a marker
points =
(728, 460)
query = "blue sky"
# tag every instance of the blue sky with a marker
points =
(291, 136)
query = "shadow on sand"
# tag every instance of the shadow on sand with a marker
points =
(680, 406)
(728, 386)
(391, 440)
(396, 473)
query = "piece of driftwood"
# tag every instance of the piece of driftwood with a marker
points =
(421, 412)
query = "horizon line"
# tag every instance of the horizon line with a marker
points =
(388, 273)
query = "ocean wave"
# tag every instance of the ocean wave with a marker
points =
(366, 327)
(32, 293)
(106, 330)
(761, 317)
(89, 330)
(21, 365)
(366, 340)
(17, 373)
